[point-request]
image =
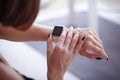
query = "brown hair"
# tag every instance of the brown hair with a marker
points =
(19, 14)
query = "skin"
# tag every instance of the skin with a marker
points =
(40, 33)
(7, 72)
(94, 43)
(61, 56)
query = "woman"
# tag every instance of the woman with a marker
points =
(16, 18)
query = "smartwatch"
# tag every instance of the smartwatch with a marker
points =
(57, 30)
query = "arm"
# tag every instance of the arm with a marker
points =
(34, 33)
(41, 32)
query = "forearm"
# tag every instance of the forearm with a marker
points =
(34, 33)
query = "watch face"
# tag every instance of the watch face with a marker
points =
(57, 31)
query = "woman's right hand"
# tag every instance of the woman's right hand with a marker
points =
(60, 57)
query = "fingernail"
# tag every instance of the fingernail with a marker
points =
(107, 59)
(83, 38)
(98, 58)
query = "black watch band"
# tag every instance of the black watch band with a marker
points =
(57, 30)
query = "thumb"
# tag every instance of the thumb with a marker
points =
(49, 45)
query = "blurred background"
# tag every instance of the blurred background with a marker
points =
(103, 16)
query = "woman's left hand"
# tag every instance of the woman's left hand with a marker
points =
(93, 46)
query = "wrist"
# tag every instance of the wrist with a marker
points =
(54, 76)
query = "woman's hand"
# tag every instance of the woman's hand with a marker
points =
(60, 57)
(93, 46)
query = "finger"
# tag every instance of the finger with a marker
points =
(61, 39)
(49, 45)
(95, 35)
(74, 41)
(69, 37)
(97, 38)
(99, 51)
(96, 43)
(91, 30)
(79, 45)
(83, 52)
(90, 39)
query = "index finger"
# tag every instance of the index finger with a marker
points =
(62, 37)
(99, 51)
(49, 45)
